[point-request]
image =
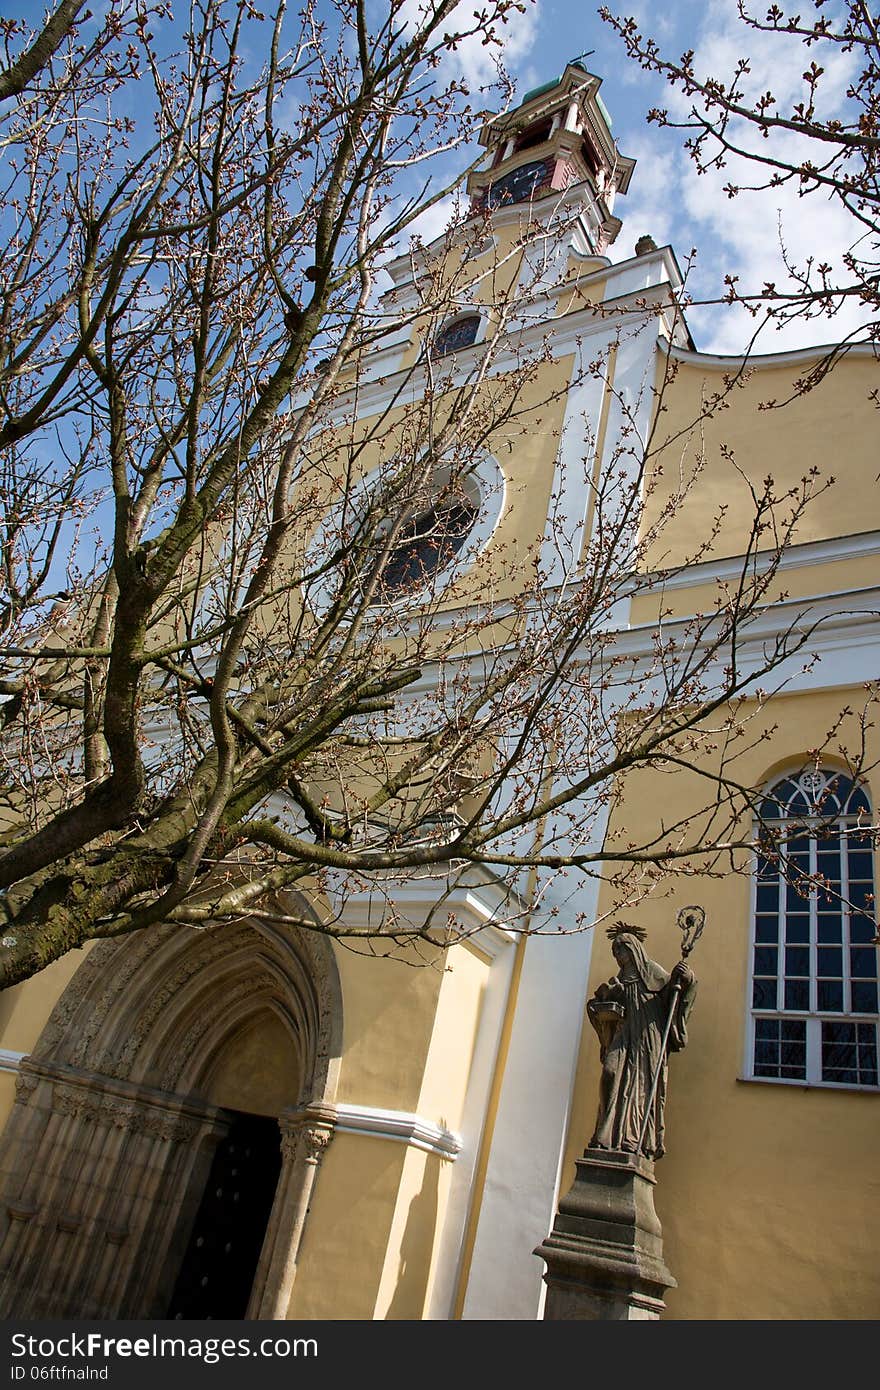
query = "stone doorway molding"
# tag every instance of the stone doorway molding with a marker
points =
(109, 1143)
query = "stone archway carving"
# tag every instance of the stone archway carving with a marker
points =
(110, 1139)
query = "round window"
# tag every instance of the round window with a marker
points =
(427, 542)
(407, 546)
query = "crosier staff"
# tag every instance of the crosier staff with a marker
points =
(691, 921)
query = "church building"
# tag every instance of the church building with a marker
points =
(256, 1122)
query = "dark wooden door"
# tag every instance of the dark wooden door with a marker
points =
(220, 1262)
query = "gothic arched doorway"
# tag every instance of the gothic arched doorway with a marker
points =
(153, 1049)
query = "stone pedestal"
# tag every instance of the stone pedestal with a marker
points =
(604, 1255)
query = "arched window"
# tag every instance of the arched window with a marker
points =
(535, 134)
(457, 333)
(814, 1002)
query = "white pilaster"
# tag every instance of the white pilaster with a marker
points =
(519, 1194)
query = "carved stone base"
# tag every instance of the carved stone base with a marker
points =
(604, 1255)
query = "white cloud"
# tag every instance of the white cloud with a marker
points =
(648, 209)
(474, 60)
(434, 220)
(743, 236)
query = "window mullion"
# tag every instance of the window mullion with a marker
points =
(813, 901)
(814, 1049)
(780, 928)
(845, 916)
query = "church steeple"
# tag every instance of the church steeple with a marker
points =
(557, 142)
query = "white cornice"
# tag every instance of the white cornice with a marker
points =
(480, 900)
(843, 632)
(771, 359)
(400, 1126)
(860, 546)
(563, 334)
(845, 622)
(855, 610)
(846, 608)
(10, 1061)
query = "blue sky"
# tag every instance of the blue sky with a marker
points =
(667, 198)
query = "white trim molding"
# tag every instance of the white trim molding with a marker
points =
(374, 1122)
(10, 1061)
(794, 357)
(863, 545)
(400, 1126)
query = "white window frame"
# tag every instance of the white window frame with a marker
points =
(812, 1017)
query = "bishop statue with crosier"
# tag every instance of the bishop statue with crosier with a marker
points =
(640, 1017)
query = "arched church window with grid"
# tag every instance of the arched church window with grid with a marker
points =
(814, 995)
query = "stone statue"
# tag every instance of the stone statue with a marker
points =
(640, 1017)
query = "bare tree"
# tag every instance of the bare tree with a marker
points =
(825, 145)
(253, 639)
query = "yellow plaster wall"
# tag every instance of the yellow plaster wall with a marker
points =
(451, 286)
(590, 286)
(527, 460)
(409, 1033)
(769, 1194)
(389, 1009)
(410, 1259)
(833, 428)
(345, 1239)
(444, 1085)
(25, 1008)
(7, 1095)
(367, 1249)
(409, 1027)
(525, 455)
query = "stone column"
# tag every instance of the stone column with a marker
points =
(305, 1135)
(604, 1255)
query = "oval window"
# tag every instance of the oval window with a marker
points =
(406, 540)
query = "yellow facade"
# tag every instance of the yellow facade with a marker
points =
(431, 1106)
(768, 1195)
(768, 1192)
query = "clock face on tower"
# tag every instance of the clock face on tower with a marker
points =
(519, 184)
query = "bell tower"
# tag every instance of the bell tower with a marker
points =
(556, 146)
